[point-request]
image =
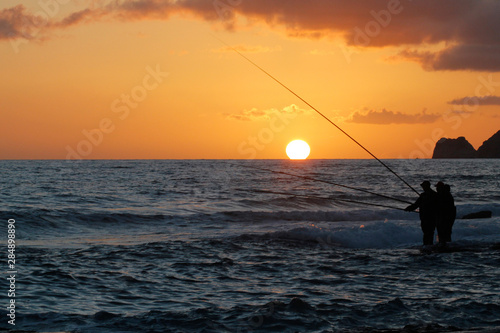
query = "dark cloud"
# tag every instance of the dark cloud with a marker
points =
(79, 17)
(386, 117)
(16, 22)
(384, 22)
(460, 57)
(476, 100)
(469, 26)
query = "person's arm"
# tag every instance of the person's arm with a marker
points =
(413, 206)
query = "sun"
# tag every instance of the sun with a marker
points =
(298, 150)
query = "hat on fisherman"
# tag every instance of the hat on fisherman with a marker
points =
(425, 183)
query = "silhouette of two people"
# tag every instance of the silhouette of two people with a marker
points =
(437, 211)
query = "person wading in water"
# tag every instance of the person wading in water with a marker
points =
(427, 204)
(446, 213)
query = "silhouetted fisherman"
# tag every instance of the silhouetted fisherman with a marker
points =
(427, 205)
(447, 212)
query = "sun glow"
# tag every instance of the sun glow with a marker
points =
(298, 150)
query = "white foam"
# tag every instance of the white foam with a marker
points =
(387, 234)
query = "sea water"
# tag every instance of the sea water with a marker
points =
(225, 246)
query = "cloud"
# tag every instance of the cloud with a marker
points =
(249, 115)
(79, 17)
(461, 112)
(399, 22)
(16, 22)
(476, 100)
(469, 27)
(263, 115)
(460, 57)
(390, 117)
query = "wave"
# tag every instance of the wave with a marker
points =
(377, 227)
(31, 223)
(339, 214)
(467, 234)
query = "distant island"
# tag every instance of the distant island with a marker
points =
(461, 148)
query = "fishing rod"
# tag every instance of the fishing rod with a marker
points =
(324, 181)
(321, 114)
(323, 198)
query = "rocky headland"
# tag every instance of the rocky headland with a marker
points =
(461, 148)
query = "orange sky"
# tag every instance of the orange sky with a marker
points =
(147, 79)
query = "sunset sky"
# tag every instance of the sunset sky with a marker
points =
(141, 79)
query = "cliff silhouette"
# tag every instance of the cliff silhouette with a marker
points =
(461, 148)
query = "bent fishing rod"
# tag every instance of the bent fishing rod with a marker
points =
(322, 198)
(323, 181)
(317, 111)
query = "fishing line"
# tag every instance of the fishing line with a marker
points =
(323, 198)
(323, 181)
(321, 114)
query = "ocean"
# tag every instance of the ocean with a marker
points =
(240, 246)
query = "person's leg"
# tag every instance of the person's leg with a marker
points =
(428, 230)
(449, 228)
(442, 231)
